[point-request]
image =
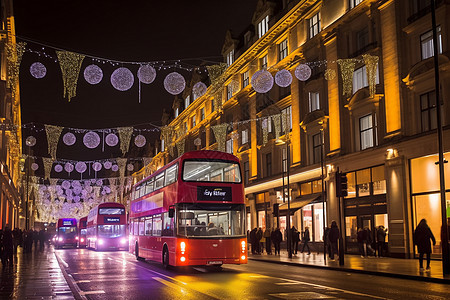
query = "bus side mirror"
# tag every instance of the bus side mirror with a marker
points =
(171, 212)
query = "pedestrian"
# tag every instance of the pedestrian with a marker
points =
(268, 242)
(8, 247)
(369, 249)
(422, 237)
(326, 240)
(2, 256)
(361, 240)
(305, 240)
(295, 235)
(259, 236)
(381, 240)
(41, 239)
(333, 237)
(276, 237)
(253, 240)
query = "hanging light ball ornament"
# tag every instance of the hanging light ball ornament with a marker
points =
(99, 182)
(303, 72)
(30, 141)
(58, 168)
(38, 70)
(97, 166)
(76, 183)
(199, 89)
(130, 167)
(283, 78)
(80, 167)
(146, 74)
(140, 141)
(93, 74)
(262, 81)
(107, 165)
(197, 142)
(69, 139)
(115, 168)
(122, 79)
(111, 140)
(65, 184)
(68, 167)
(34, 166)
(91, 140)
(174, 83)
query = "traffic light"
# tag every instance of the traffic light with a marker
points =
(276, 209)
(341, 185)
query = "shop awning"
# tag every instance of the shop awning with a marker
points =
(299, 202)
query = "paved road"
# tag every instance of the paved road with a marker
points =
(118, 275)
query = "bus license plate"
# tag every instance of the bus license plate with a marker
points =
(215, 262)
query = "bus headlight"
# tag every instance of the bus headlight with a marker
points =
(82, 240)
(183, 259)
(100, 241)
(243, 257)
(60, 239)
(77, 238)
(123, 240)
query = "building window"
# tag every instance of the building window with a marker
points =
(314, 101)
(187, 101)
(428, 111)
(288, 113)
(202, 114)
(314, 25)
(193, 122)
(283, 49)
(263, 26)
(229, 92)
(230, 57)
(264, 62)
(244, 136)
(245, 79)
(360, 79)
(362, 38)
(230, 146)
(162, 146)
(176, 112)
(354, 3)
(427, 45)
(269, 124)
(268, 164)
(246, 172)
(368, 131)
(317, 148)
(212, 105)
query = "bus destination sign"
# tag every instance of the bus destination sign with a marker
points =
(111, 219)
(211, 193)
(67, 223)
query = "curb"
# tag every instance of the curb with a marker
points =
(343, 269)
(70, 281)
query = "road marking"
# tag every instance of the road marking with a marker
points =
(64, 262)
(82, 281)
(92, 292)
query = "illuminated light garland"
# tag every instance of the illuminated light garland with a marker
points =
(107, 165)
(283, 78)
(125, 137)
(140, 141)
(30, 141)
(371, 69)
(167, 135)
(235, 85)
(330, 74)
(265, 130)
(347, 67)
(234, 135)
(199, 89)
(303, 72)
(180, 146)
(38, 70)
(48, 163)
(277, 122)
(174, 83)
(262, 81)
(146, 74)
(69, 139)
(53, 134)
(111, 140)
(285, 120)
(97, 166)
(80, 167)
(220, 132)
(215, 73)
(198, 142)
(91, 140)
(34, 166)
(58, 168)
(68, 167)
(130, 167)
(121, 162)
(115, 168)
(93, 74)
(122, 79)
(70, 64)
(14, 53)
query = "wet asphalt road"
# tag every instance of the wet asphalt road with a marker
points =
(118, 275)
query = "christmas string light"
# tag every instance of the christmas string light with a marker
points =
(53, 134)
(125, 137)
(277, 123)
(48, 163)
(180, 146)
(347, 67)
(220, 132)
(330, 74)
(371, 63)
(14, 53)
(70, 64)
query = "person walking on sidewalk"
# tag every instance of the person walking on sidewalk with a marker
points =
(267, 235)
(295, 239)
(305, 240)
(253, 241)
(276, 239)
(361, 242)
(259, 236)
(422, 237)
(8, 247)
(333, 237)
(381, 240)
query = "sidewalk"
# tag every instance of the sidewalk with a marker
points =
(384, 266)
(35, 275)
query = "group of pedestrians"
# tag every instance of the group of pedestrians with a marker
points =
(259, 240)
(370, 243)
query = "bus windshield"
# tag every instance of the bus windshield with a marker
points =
(211, 171)
(69, 232)
(206, 220)
(111, 231)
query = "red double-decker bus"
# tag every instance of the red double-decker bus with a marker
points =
(191, 212)
(66, 233)
(107, 227)
(82, 232)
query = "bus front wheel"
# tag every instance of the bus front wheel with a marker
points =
(165, 258)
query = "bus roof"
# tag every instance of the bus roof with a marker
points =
(111, 204)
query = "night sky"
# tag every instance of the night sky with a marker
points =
(143, 31)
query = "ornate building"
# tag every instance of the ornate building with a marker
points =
(11, 208)
(368, 105)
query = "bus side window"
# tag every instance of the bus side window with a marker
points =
(167, 225)
(141, 226)
(148, 226)
(136, 227)
(130, 229)
(157, 225)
